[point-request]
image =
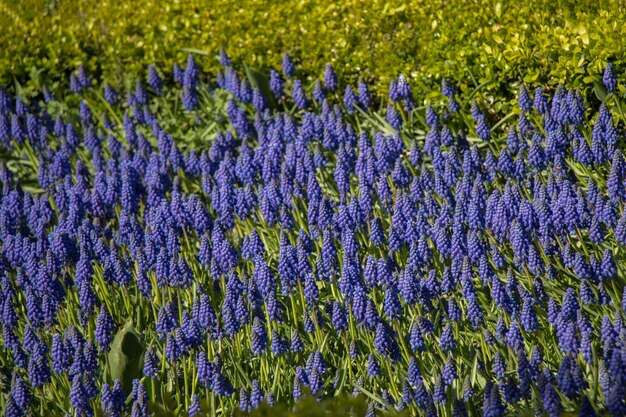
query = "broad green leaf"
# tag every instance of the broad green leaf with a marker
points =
(126, 356)
(600, 90)
(261, 81)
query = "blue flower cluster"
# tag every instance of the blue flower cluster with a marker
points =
(313, 246)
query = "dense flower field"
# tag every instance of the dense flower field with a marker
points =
(199, 246)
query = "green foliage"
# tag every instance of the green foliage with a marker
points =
(345, 405)
(126, 357)
(489, 47)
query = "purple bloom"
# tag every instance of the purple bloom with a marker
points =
(150, 363)
(83, 78)
(393, 117)
(319, 92)
(277, 84)
(514, 337)
(439, 391)
(190, 99)
(154, 79)
(523, 99)
(482, 129)
(349, 99)
(105, 326)
(258, 100)
(373, 368)
(287, 264)
(449, 373)
(258, 336)
(330, 78)
(20, 395)
(141, 96)
(492, 403)
(609, 78)
(364, 96)
(79, 398)
(194, 407)
(289, 68)
(432, 118)
(447, 88)
(256, 394)
(447, 341)
(296, 344)
(528, 317)
(416, 338)
(223, 58)
(570, 377)
(339, 318)
(299, 95)
(385, 341)
(391, 304)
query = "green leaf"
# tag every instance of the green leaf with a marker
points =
(599, 89)
(126, 356)
(261, 81)
(341, 377)
(195, 51)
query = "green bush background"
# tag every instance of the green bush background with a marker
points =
(489, 45)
